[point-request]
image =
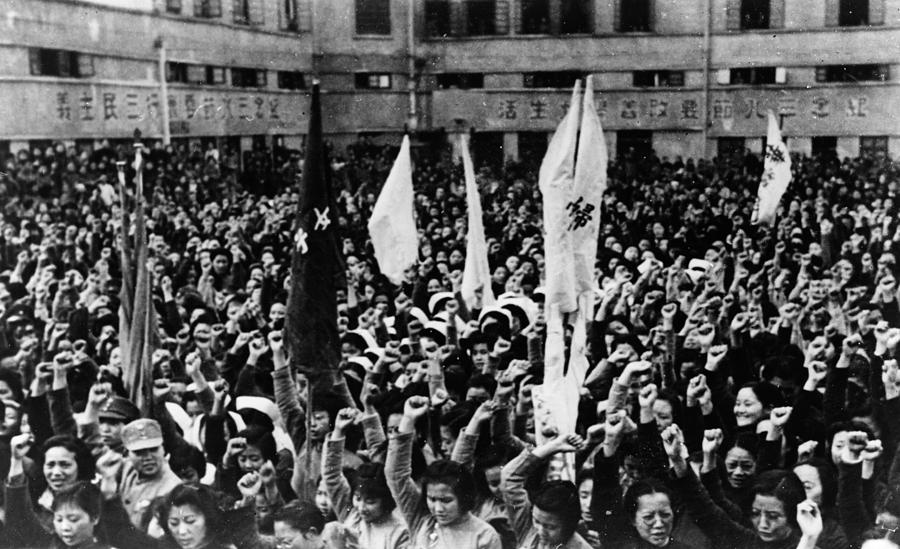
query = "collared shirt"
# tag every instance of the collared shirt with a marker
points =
(138, 493)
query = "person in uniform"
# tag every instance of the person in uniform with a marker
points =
(146, 474)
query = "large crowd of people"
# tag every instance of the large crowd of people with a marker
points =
(743, 388)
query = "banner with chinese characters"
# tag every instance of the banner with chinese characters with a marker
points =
(834, 110)
(33, 109)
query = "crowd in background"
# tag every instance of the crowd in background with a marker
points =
(743, 388)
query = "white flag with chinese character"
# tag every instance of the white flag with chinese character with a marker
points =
(477, 272)
(556, 180)
(587, 193)
(392, 225)
(776, 175)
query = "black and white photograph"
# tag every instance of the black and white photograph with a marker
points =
(449, 274)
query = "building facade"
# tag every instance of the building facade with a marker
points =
(683, 77)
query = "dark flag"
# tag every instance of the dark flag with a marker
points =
(317, 268)
(138, 334)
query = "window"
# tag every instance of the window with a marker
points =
(731, 147)
(753, 75)
(557, 79)
(535, 16)
(634, 15)
(208, 8)
(248, 12)
(658, 79)
(852, 73)
(576, 17)
(291, 20)
(635, 145)
(754, 14)
(48, 62)
(176, 72)
(874, 145)
(373, 81)
(291, 80)
(480, 17)
(853, 13)
(824, 145)
(460, 80)
(173, 6)
(437, 18)
(373, 17)
(248, 78)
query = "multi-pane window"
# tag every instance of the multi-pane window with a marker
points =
(248, 78)
(658, 78)
(50, 62)
(373, 81)
(208, 8)
(291, 80)
(373, 17)
(754, 14)
(194, 74)
(173, 6)
(853, 73)
(460, 80)
(753, 75)
(248, 12)
(551, 79)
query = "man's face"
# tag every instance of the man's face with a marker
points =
(147, 461)
(321, 424)
(110, 430)
(480, 354)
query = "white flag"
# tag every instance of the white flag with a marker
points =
(555, 181)
(776, 175)
(392, 225)
(583, 207)
(477, 272)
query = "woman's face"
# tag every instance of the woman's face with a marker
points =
(323, 502)
(370, 509)
(250, 460)
(654, 519)
(585, 490)
(5, 392)
(740, 466)
(73, 525)
(60, 468)
(662, 413)
(770, 518)
(492, 476)
(442, 503)
(812, 483)
(188, 526)
(747, 408)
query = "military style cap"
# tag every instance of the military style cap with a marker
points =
(120, 409)
(141, 434)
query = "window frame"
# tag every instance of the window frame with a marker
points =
(364, 80)
(380, 13)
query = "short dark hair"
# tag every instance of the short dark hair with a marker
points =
(454, 475)
(13, 380)
(784, 486)
(641, 488)
(83, 458)
(83, 495)
(300, 516)
(560, 498)
(187, 456)
(200, 498)
(262, 439)
(371, 483)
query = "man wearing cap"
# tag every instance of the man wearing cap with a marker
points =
(146, 474)
(112, 418)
